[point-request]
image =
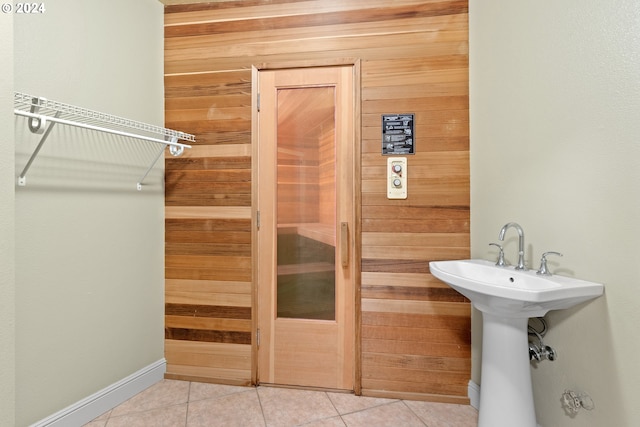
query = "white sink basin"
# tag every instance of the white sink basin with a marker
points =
(514, 293)
(507, 298)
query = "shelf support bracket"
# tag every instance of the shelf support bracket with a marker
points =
(173, 149)
(36, 125)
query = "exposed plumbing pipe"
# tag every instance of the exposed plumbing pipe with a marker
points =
(540, 351)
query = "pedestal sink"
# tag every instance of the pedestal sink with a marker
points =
(507, 299)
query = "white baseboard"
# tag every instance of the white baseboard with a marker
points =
(108, 398)
(473, 391)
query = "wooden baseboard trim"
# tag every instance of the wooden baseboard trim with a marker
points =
(108, 398)
(440, 398)
(202, 379)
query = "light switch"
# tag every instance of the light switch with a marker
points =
(396, 178)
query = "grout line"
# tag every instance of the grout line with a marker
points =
(336, 409)
(264, 419)
(186, 415)
(411, 410)
(377, 406)
(134, 413)
(332, 404)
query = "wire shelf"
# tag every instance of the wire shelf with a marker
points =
(26, 102)
(43, 114)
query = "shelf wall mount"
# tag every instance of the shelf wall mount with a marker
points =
(43, 114)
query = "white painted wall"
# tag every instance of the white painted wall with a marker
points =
(7, 227)
(555, 146)
(88, 245)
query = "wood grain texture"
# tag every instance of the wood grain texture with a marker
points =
(413, 331)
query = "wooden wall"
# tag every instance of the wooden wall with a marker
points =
(415, 331)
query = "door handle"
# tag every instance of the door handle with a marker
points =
(344, 244)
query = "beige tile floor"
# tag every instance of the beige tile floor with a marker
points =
(173, 403)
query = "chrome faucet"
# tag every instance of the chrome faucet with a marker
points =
(520, 231)
(544, 270)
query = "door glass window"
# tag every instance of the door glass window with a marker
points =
(306, 211)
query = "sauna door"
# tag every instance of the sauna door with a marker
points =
(306, 217)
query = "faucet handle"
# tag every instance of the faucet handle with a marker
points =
(500, 262)
(544, 270)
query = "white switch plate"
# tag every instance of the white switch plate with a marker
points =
(396, 178)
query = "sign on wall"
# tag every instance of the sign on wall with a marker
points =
(397, 134)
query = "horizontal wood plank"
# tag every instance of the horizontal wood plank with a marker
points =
(208, 311)
(411, 293)
(419, 280)
(418, 362)
(211, 355)
(453, 387)
(209, 324)
(416, 307)
(462, 323)
(410, 347)
(418, 334)
(203, 335)
(209, 212)
(239, 377)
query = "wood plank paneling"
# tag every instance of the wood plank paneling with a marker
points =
(203, 361)
(414, 331)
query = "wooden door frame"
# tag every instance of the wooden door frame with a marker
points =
(356, 244)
